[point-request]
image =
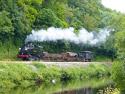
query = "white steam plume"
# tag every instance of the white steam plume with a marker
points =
(54, 34)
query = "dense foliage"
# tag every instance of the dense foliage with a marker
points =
(118, 75)
(13, 74)
(118, 69)
(19, 17)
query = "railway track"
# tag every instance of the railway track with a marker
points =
(59, 64)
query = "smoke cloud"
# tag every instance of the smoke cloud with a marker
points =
(54, 34)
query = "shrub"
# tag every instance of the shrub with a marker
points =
(118, 74)
(14, 74)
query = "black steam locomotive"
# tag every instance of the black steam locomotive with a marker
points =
(31, 51)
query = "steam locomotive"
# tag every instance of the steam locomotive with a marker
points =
(32, 52)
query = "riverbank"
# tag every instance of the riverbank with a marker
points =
(22, 74)
(94, 86)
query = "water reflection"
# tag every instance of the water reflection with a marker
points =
(86, 87)
(78, 91)
(77, 87)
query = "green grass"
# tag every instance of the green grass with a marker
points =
(8, 52)
(18, 74)
(102, 59)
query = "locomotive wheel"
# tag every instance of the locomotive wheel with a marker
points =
(33, 58)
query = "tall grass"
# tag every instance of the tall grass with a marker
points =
(30, 74)
(8, 51)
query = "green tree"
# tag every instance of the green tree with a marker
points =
(47, 18)
(6, 28)
(120, 44)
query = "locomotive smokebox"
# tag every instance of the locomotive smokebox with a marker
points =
(30, 51)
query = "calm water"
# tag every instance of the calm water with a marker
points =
(94, 86)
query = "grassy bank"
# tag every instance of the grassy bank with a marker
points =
(8, 51)
(95, 84)
(18, 74)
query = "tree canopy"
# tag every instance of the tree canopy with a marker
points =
(19, 17)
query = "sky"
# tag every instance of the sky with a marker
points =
(118, 5)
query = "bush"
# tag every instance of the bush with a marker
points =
(15, 74)
(118, 74)
(50, 73)
(8, 51)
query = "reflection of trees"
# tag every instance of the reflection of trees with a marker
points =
(79, 91)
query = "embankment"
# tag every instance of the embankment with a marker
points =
(22, 74)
